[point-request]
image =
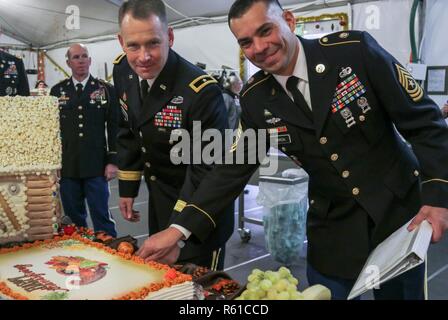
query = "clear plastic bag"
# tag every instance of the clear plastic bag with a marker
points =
(284, 219)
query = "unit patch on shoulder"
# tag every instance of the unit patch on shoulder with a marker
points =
(119, 58)
(201, 82)
(409, 84)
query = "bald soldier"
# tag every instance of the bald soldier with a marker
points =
(88, 109)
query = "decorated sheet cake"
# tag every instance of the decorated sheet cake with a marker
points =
(74, 268)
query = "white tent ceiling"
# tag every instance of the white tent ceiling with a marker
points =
(42, 23)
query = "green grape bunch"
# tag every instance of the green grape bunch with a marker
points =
(279, 285)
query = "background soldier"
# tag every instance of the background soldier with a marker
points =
(13, 78)
(88, 108)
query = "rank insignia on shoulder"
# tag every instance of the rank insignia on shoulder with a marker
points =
(201, 82)
(409, 84)
(119, 58)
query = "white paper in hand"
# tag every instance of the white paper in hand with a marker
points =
(400, 252)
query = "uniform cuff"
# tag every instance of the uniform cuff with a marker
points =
(128, 189)
(195, 220)
(434, 193)
(184, 231)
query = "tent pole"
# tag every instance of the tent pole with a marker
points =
(57, 65)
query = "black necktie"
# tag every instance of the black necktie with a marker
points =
(144, 86)
(79, 89)
(299, 100)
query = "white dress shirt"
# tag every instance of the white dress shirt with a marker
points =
(301, 72)
(83, 82)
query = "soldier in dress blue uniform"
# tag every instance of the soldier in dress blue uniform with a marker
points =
(179, 93)
(88, 109)
(334, 106)
(13, 79)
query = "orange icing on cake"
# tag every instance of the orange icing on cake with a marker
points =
(172, 277)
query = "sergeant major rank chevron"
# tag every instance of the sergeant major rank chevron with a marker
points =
(409, 84)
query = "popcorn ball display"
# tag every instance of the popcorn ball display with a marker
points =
(30, 155)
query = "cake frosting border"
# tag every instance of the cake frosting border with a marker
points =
(172, 277)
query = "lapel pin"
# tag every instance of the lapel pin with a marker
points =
(163, 87)
(250, 80)
(273, 92)
(131, 76)
(320, 68)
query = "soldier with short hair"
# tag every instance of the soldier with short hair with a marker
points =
(160, 95)
(89, 124)
(334, 106)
